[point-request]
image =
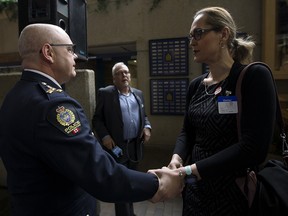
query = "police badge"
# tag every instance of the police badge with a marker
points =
(65, 116)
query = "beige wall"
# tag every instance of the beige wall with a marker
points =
(135, 23)
(8, 36)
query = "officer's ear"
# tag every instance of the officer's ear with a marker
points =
(47, 53)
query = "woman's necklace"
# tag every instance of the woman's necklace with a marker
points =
(216, 90)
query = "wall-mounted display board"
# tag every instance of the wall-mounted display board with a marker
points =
(168, 96)
(168, 57)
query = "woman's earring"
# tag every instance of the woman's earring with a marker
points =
(221, 44)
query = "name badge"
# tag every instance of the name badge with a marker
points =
(227, 104)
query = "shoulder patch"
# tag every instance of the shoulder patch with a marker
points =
(66, 119)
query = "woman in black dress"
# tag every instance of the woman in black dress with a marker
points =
(209, 141)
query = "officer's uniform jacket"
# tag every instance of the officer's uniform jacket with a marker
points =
(54, 163)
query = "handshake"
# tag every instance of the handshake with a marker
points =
(171, 180)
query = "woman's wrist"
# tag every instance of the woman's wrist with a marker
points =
(195, 171)
(185, 171)
(189, 170)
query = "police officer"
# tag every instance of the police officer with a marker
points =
(55, 165)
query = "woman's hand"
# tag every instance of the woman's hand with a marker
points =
(176, 162)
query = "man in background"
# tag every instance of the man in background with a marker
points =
(121, 125)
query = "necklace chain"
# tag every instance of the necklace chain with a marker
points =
(217, 89)
(207, 93)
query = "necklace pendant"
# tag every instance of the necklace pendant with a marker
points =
(218, 90)
(228, 92)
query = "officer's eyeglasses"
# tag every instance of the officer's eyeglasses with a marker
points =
(198, 33)
(70, 47)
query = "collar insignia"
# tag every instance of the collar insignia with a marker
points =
(51, 89)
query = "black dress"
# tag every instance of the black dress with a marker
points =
(214, 132)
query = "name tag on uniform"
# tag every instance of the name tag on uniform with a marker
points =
(227, 104)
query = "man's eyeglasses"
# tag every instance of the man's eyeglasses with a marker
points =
(70, 47)
(197, 33)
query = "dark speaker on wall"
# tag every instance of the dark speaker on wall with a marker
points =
(78, 27)
(70, 15)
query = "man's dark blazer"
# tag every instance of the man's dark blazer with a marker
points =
(107, 119)
(54, 163)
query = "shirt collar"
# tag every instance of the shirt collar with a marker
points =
(46, 75)
(129, 93)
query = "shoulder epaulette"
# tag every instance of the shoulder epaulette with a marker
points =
(49, 89)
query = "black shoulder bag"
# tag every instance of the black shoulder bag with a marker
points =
(268, 189)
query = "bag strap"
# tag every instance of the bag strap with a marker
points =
(279, 118)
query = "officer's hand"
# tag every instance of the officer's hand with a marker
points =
(171, 184)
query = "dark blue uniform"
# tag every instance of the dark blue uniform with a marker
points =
(55, 165)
